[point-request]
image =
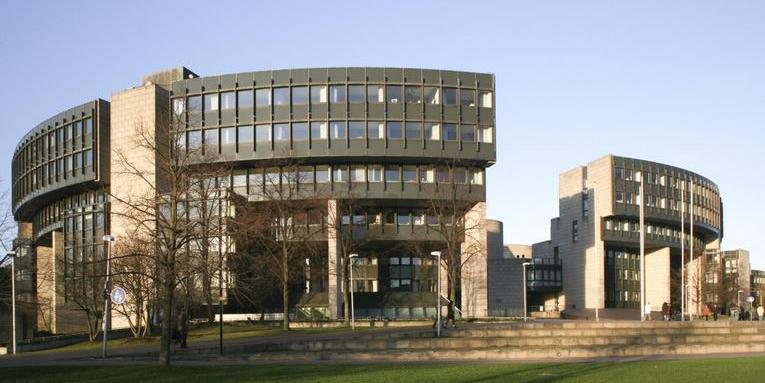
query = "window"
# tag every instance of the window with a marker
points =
(450, 96)
(262, 133)
(476, 176)
(427, 175)
(467, 133)
(300, 131)
(442, 175)
(432, 131)
(374, 94)
(413, 131)
(340, 174)
(393, 129)
(245, 99)
(450, 132)
(375, 130)
(392, 174)
(358, 174)
(409, 173)
(318, 94)
(211, 102)
(402, 218)
(619, 197)
(575, 230)
(460, 176)
(374, 173)
(432, 95)
(305, 175)
(337, 130)
(319, 131)
(322, 174)
(194, 104)
(281, 132)
(467, 97)
(179, 106)
(299, 95)
(356, 93)
(282, 96)
(211, 138)
(263, 97)
(337, 93)
(245, 137)
(393, 94)
(227, 136)
(484, 99)
(227, 101)
(413, 95)
(356, 129)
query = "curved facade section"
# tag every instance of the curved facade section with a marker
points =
(61, 156)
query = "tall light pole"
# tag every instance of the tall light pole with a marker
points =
(525, 316)
(107, 280)
(642, 247)
(437, 254)
(12, 255)
(352, 258)
(682, 252)
(598, 264)
(692, 307)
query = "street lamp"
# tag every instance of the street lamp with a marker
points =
(437, 254)
(353, 310)
(12, 256)
(525, 264)
(107, 307)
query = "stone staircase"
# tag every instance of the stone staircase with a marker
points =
(526, 341)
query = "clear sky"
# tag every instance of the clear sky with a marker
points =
(680, 82)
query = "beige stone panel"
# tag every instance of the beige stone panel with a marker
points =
(657, 278)
(26, 230)
(46, 288)
(334, 285)
(474, 269)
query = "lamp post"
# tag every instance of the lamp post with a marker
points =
(525, 307)
(352, 257)
(437, 254)
(12, 255)
(107, 307)
(738, 300)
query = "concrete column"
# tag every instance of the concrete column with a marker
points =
(334, 285)
(475, 269)
(46, 288)
(657, 278)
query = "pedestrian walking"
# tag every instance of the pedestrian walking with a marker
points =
(182, 328)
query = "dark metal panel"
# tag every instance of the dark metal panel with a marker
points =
(375, 74)
(356, 74)
(210, 83)
(431, 77)
(337, 75)
(467, 79)
(299, 76)
(281, 77)
(395, 111)
(449, 78)
(300, 112)
(228, 81)
(262, 79)
(394, 75)
(413, 76)
(318, 75)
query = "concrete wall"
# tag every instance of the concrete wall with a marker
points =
(657, 278)
(474, 270)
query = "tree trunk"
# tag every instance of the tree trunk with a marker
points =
(207, 286)
(285, 289)
(346, 293)
(165, 349)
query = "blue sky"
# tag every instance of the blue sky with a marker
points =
(678, 82)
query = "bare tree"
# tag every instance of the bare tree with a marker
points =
(134, 269)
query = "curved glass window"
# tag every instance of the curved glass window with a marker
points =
(227, 100)
(393, 129)
(300, 95)
(263, 97)
(450, 96)
(337, 93)
(318, 94)
(211, 102)
(300, 131)
(467, 97)
(413, 94)
(356, 93)
(281, 96)
(281, 132)
(393, 94)
(375, 94)
(432, 95)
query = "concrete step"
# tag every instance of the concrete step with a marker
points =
(551, 332)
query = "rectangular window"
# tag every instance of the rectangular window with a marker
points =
(485, 135)
(467, 133)
(450, 132)
(358, 174)
(299, 95)
(450, 96)
(413, 94)
(179, 106)
(245, 99)
(467, 97)
(432, 95)
(319, 131)
(374, 94)
(409, 173)
(337, 130)
(356, 94)
(211, 102)
(263, 97)
(356, 129)
(392, 174)
(262, 133)
(374, 173)
(195, 139)
(432, 131)
(476, 176)
(305, 175)
(375, 130)
(337, 93)
(281, 132)
(300, 131)
(194, 103)
(211, 138)
(227, 100)
(228, 136)
(485, 99)
(393, 129)
(282, 96)
(318, 94)
(575, 230)
(427, 175)
(393, 94)
(413, 131)
(245, 137)
(340, 174)
(322, 174)
(460, 176)
(442, 175)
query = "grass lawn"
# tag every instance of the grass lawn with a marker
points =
(206, 332)
(698, 370)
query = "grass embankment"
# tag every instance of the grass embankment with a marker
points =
(698, 370)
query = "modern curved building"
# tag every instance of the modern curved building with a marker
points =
(597, 235)
(393, 139)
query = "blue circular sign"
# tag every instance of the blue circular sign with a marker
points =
(118, 295)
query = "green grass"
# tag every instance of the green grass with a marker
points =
(205, 332)
(692, 370)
